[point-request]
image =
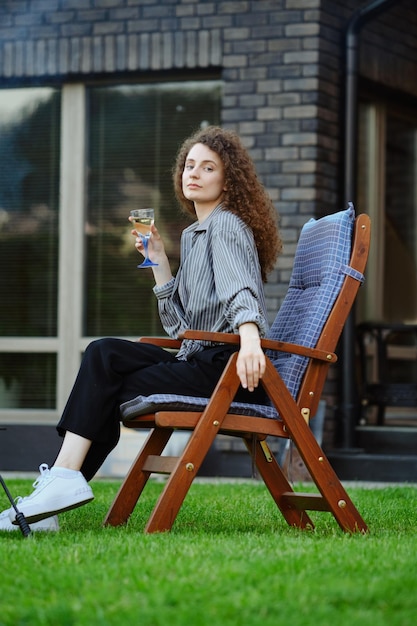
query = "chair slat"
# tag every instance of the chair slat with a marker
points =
(160, 464)
(305, 501)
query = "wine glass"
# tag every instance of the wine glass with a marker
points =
(142, 220)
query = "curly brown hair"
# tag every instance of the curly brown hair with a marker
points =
(245, 195)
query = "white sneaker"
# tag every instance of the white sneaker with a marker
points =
(53, 494)
(47, 524)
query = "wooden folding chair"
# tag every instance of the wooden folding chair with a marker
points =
(328, 270)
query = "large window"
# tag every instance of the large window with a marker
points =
(134, 134)
(75, 161)
(29, 190)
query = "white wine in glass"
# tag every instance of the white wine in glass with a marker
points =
(142, 220)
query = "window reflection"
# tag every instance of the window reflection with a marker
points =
(29, 156)
(27, 381)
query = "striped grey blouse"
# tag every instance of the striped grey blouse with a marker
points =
(218, 285)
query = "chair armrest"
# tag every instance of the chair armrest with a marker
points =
(163, 342)
(267, 344)
(207, 335)
(295, 348)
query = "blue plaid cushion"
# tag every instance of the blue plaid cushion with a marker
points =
(172, 402)
(320, 265)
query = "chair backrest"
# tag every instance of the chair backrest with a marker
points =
(320, 265)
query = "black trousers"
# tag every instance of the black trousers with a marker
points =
(116, 370)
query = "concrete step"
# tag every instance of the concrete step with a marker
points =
(359, 465)
(387, 439)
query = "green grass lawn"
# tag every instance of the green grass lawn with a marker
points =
(230, 559)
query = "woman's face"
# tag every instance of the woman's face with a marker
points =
(203, 178)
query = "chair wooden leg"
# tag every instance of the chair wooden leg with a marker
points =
(277, 484)
(169, 502)
(195, 451)
(136, 479)
(329, 485)
(339, 503)
(182, 476)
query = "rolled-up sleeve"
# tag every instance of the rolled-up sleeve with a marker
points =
(169, 309)
(164, 291)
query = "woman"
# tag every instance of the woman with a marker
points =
(225, 257)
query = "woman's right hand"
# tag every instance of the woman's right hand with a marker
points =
(157, 254)
(155, 244)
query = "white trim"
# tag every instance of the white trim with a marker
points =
(35, 417)
(71, 226)
(29, 344)
(375, 206)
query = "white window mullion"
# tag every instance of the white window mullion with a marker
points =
(71, 228)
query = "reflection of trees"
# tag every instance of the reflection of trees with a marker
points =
(14, 168)
(28, 285)
(29, 152)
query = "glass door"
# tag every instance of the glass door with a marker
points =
(387, 311)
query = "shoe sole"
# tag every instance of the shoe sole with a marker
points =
(33, 528)
(37, 517)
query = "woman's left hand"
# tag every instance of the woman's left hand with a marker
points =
(251, 361)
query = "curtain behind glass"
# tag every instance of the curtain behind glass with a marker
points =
(134, 135)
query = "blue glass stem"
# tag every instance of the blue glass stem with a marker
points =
(147, 262)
